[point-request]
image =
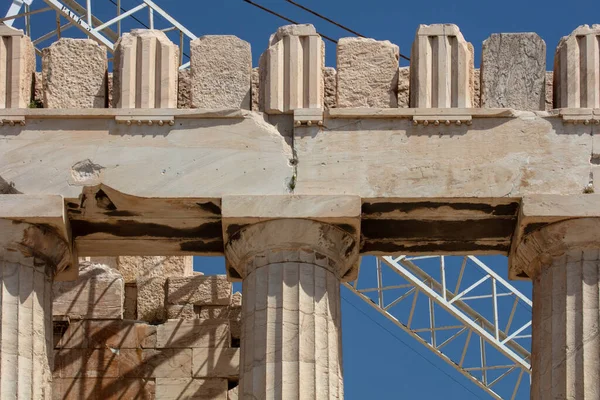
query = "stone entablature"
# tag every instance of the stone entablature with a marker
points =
(291, 73)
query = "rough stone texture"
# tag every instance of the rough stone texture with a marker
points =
(367, 73)
(184, 91)
(513, 71)
(295, 52)
(110, 89)
(38, 90)
(193, 333)
(565, 342)
(549, 86)
(312, 352)
(151, 299)
(221, 72)
(17, 65)
(232, 394)
(74, 74)
(441, 68)
(216, 363)
(255, 90)
(404, 87)
(116, 334)
(133, 268)
(193, 389)
(145, 70)
(577, 69)
(98, 293)
(103, 388)
(476, 88)
(330, 87)
(236, 300)
(208, 313)
(185, 311)
(26, 325)
(199, 290)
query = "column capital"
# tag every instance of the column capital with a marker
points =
(35, 226)
(548, 227)
(320, 230)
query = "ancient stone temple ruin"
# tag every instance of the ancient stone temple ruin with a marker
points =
(292, 171)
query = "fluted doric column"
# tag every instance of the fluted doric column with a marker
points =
(30, 256)
(563, 261)
(291, 342)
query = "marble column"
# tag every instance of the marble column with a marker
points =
(29, 257)
(291, 341)
(563, 261)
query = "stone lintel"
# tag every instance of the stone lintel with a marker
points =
(48, 213)
(541, 229)
(6, 30)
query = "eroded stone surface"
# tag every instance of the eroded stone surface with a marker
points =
(193, 333)
(255, 90)
(513, 71)
(74, 74)
(199, 290)
(133, 268)
(98, 293)
(196, 389)
(404, 87)
(549, 90)
(221, 72)
(367, 73)
(184, 91)
(330, 85)
(151, 299)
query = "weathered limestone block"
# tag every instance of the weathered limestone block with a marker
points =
(103, 388)
(513, 71)
(74, 74)
(38, 90)
(232, 394)
(17, 65)
(577, 69)
(199, 290)
(98, 293)
(151, 363)
(549, 87)
(404, 87)
(184, 311)
(221, 72)
(236, 300)
(116, 334)
(367, 73)
(193, 333)
(441, 68)
(86, 363)
(294, 65)
(330, 87)
(194, 389)
(255, 90)
(208, 313)
(184, 92)
(145, 70)
(216, 363)
(151, 299)
(476, 88)
(147, 267)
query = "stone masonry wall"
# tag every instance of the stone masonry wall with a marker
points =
(512, 75)
(115, 340)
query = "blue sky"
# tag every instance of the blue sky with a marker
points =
(380, 361)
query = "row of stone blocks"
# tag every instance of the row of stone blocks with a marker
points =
(292, 75)
(107, 346)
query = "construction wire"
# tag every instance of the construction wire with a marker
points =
(284, 18)
(410, 348)
(140, 22)
(333, 22)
